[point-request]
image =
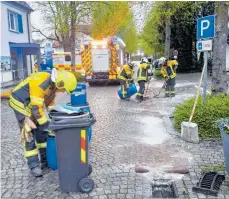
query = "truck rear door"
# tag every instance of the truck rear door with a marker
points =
(100, 60)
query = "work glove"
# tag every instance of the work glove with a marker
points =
(26, 132)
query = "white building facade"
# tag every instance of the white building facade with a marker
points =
(16, 46)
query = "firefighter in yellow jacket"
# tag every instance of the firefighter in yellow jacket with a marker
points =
(168, 71)
(125, 77)
(28, 100)
(142, 78)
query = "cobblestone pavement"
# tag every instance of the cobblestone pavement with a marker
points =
(126, 134)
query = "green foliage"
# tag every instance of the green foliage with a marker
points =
(115, 19)
(157, 74)
(205, 115)
(213, 168)
(182, 17)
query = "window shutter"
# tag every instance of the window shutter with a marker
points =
(8, 19)
(20, 25)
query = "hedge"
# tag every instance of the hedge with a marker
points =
(157, 74)
(205, 115)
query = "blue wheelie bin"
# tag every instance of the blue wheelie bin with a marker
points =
(72, 151)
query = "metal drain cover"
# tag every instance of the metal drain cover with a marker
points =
(164, 190)
(209, 183)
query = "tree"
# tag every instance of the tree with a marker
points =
(219, 79)
(115, 19)
(182, 17)
(64, 18)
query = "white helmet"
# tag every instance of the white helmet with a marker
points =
(162, 60)
(144, 60)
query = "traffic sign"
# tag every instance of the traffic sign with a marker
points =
(205, 45)
(175, 54)
(206, 27)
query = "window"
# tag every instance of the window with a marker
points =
(15, 22)
(67, 58)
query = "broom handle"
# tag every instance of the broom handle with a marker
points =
(198, 93)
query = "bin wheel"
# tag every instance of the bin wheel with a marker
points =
(86, 185)
(89, 169)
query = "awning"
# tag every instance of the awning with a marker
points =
(24, 45)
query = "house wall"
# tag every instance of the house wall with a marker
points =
(10, 36)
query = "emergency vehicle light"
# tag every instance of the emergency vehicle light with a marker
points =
(100, 43)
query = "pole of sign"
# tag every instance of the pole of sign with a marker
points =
(205, 76)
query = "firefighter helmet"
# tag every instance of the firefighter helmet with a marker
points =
(66, 80)
(144, 60)
(131, 65)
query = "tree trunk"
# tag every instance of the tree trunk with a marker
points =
(219, 74)
(73, 36)
(66, 47)
(167, 39)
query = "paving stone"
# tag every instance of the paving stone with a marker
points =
(103, 197)
(130, 196)
(113, 164)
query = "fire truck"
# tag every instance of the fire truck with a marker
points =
(102, 59)
(62, 61)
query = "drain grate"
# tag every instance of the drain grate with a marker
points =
(164, 190)
(209, 183)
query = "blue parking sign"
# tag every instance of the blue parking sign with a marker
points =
(206, 27)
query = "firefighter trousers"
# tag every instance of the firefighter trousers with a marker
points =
(123, 84)
(170, 87)
(36, 147)
(141, 90)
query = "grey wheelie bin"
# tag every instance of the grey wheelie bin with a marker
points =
(72, 150)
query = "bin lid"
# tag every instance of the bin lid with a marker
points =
(58, 123)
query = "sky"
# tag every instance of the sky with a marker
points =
(140, 11)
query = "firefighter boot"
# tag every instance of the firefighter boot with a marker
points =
(43, 158)
(36, 172)
(167, 95)
(126, 99)
(172, 95)
(139, 98)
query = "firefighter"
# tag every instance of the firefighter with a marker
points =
(142, 78)
(36, 68)
(168, 71)
(28, 100)
(125, 77)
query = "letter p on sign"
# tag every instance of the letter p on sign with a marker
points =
(206, 27)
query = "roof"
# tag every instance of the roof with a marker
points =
(23, 3)
(19, 4)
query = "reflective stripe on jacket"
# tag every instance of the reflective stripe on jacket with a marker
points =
(142, 74)
(125, 73)
(29, 96)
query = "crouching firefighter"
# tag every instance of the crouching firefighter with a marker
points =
(28, 101)
(168, 71)
(125, 77)
(142, 78)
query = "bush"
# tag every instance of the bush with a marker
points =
(205, 115)
(157, 74)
